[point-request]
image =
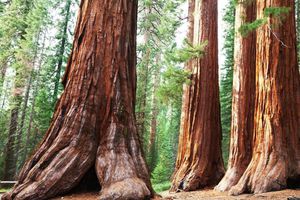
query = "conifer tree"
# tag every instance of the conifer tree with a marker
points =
(227, 77)
(276, 150)
(14, 25)
(199, 159)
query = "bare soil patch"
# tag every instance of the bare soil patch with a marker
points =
(201, 195)
(214, 195)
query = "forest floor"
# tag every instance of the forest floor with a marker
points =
(214, 195)
(201, 195)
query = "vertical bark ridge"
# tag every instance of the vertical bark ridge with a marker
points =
(276, 150)
(243, 99)
(94, 122)
(199, 163)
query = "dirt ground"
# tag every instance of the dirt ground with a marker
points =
(201, 195)
(213, 195)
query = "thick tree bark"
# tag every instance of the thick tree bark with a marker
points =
(94, 122)
(199, 160)
(243, 99)
(276, 152)
(297, 13)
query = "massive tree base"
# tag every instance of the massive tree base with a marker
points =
(243, 99)
(275, 161)
(261, 178)
(199, 161)
(194, 178)
(232, 176)
(93, 124)
(63, 166)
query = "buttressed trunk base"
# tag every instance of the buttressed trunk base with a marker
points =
(94, 122)
(276, 149)
(243, 99)
(199, 161)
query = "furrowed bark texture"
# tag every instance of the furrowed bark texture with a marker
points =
(243, 99)
(94, 122)
(199, 160)
(276, 152)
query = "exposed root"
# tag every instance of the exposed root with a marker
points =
(230, 179)
(196, 178)
(261, 178)
(130, 188)
(120, 167)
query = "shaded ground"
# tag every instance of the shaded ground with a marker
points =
(81, 196)
(201, 195)
(213, 195)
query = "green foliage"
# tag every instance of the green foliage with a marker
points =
(3, 190)
(157, 24)
(174, 77)
(227, 78)
(169, 125)
(171, 88)
(30, 35)
(188, 52)
(247, 28)
(160, 187)
(4, 116)
(277, 13)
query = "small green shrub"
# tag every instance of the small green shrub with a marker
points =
(160, 187)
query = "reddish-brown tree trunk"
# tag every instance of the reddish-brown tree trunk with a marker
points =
(243, 99)
(94, 122)
(276, 152)
(199, 160)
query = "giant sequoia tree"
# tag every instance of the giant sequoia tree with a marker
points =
(199, 160)
(242, 99)
(93, 126)
(275, 159)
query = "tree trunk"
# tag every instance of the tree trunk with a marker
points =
(143, 100)
(29, 125)
(199, 160)
(154, 114)
(21, 126)
(243, 99)
(61, 52)
(35, 87)
(276, 151)
(2, 76)
(10, 154)
(144, 81)
(94, 121)
(297, 12)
